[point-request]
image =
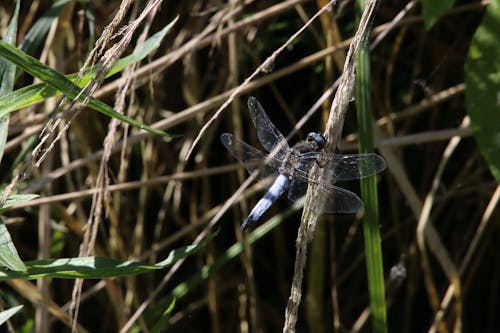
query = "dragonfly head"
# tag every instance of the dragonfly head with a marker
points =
(317, 139)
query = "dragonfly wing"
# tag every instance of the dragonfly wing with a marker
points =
(338, 200)
(297, 190)
(335, 199)
(343, 167)
(252, 158)
(269, 136)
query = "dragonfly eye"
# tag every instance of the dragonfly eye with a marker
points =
(317, 138)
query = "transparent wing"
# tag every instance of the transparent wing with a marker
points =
(297, 190)
(269, 136)
(342, 167)
(252, 158)
(339, 200)
(335, 199)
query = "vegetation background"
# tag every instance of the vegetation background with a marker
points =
(437, 198)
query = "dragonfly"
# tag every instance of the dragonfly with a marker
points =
(289, 168)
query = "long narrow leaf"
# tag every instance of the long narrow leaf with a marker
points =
(63, 84)
(162, 322)
(8, 253)
(7, 74)
(15, 199)
(231, 253)
(36, 93)
(371, 231)
(6, 314)
(38, 32)
(96, 267)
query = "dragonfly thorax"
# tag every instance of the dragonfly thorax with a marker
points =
(292, 160)
(289, 163)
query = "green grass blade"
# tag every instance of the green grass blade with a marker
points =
(6, 314)
(8, 253)
(371, 231)
(38, 32)
(162, 322)
(15, 199)
(231, 253)
(206, 271)
(63, 84)
(7, 76)
(36, 93)
(96, 267)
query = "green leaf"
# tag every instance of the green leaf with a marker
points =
(7, 76)
(15, 199)
(482, 87)
(187, 286)
(160, 324)
(96, 267)
(433, 10)
(6, 314)
(38, 32)
(371, 221)
(8, 253)
(61, 83)
(36, 93)
(233, 251)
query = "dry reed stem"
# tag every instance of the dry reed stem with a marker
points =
(104, 65)
(160, 64)
(178, 263)
(459, 132)
(427, 234)
(412, 139)
(450, 292)
(74, 107)
(203, 40)
(263, 68)
(312, 207)
(210, 103)
(30, 292)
